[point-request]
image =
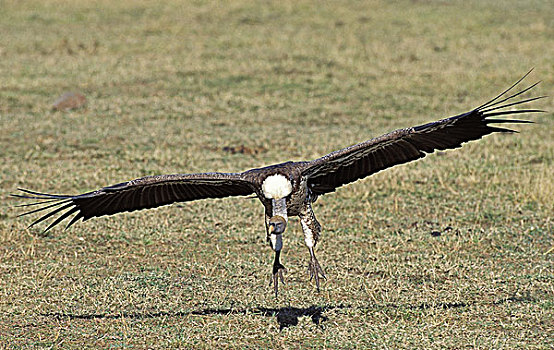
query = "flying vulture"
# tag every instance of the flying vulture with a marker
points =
(290, 188)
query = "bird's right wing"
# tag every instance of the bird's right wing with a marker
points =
(143, 193)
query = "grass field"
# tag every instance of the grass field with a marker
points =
(180, 87)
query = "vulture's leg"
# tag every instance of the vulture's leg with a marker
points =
(276, 243)
(311, 229)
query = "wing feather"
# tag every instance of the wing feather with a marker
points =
(338, 168)
(144, 193)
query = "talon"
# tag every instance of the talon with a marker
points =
(278, 271)
(282, 272)
(315, 271)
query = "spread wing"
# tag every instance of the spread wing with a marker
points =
(338, 168)
(143, 193)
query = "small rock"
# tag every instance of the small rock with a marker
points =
(435, 233)
(69, 100)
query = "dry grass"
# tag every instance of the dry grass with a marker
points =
(173, 87)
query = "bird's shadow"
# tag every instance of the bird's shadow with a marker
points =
(285, 316)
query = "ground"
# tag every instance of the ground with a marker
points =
(453, 251)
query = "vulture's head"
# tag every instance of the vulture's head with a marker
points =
(277, 225)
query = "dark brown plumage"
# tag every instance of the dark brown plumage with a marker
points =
(302, 182)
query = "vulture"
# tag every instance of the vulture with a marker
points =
(288, 189)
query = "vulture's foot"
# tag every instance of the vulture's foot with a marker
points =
(315, 271)
(278, 271)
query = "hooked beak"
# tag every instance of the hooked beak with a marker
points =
(271, 229)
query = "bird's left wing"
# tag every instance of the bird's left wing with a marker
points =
(335, 169)
(143, 193)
